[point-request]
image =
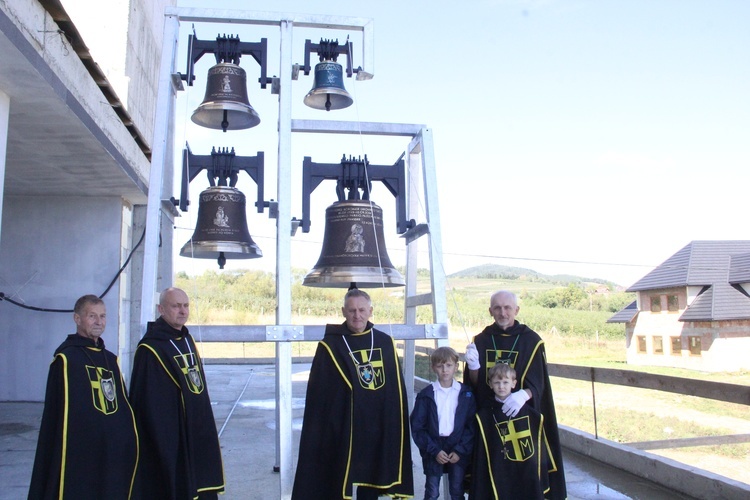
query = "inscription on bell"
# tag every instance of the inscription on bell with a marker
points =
(353, 233)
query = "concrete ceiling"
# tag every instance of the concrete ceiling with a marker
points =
(50, 150)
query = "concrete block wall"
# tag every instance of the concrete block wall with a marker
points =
(53, 250)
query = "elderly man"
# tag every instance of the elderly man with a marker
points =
(88, 444)
(508, 341)
(355, 432)
(180, 453)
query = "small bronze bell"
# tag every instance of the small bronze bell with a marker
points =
(354, 249)
(328, 91)
(225, 105)
(221, 231)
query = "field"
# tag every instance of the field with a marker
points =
(574, 336)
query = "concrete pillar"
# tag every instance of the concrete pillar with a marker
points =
(4, 119)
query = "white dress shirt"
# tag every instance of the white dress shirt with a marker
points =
(446, 399)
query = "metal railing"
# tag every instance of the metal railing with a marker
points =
(719, 391)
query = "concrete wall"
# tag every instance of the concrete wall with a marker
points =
(685, 479)
(41, 31)
(53, 250)
(125, 39)
(145, 36)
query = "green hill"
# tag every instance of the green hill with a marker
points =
(499, 272)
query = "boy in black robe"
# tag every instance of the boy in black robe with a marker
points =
(355, 433)
(88, 444)
(510, 451)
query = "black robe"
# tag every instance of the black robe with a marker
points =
(180, 452)
(523, 349)
(508, 455)
(356, 423)
(88, 444)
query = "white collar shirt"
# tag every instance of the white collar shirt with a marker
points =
(446, 399)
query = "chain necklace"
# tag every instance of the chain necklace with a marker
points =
(511, 349)
(364, 370)
(351, 354)
(502, 432)
(190, 351)
(101, 349)
(191, 368)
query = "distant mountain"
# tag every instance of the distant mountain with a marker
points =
(496, 271)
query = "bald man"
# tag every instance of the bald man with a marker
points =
(180, 453)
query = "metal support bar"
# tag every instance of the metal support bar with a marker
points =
(424, 299)
(366, 128)
(392, 177)
(309, 333)
(226, 49)
(284, 455)
(165, 100)
(258, 18)
(328, 50)
(223, 165)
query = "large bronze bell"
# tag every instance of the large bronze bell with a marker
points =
(225, 105)
(221, 232)
(328, 91)
(353, 249)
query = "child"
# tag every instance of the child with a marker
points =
(442, 426)
(508, 457)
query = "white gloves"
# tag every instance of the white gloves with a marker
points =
(515, 402)
(472, 357)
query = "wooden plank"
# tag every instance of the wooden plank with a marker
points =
(730, 393)
(690, 442)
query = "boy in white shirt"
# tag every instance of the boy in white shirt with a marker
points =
(442, 426)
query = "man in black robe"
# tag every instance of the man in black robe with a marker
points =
(88, 444)
(355, 432)
(508, 341)
(180, 452)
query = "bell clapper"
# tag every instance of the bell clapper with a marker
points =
(224, 122)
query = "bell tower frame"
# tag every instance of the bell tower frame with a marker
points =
(421, 180)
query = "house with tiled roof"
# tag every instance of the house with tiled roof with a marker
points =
(693, 310)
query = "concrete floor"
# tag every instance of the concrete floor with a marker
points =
(243, 398)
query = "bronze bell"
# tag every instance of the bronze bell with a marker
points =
(328, 91)
(221, 232)
(225, 105)
(353, 249)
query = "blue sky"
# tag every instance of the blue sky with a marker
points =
(605, 133)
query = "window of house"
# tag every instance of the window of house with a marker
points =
(673, 304)
(655, 304)
(676, 345)
(641, 343)
(658, 345)
(694, 344)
